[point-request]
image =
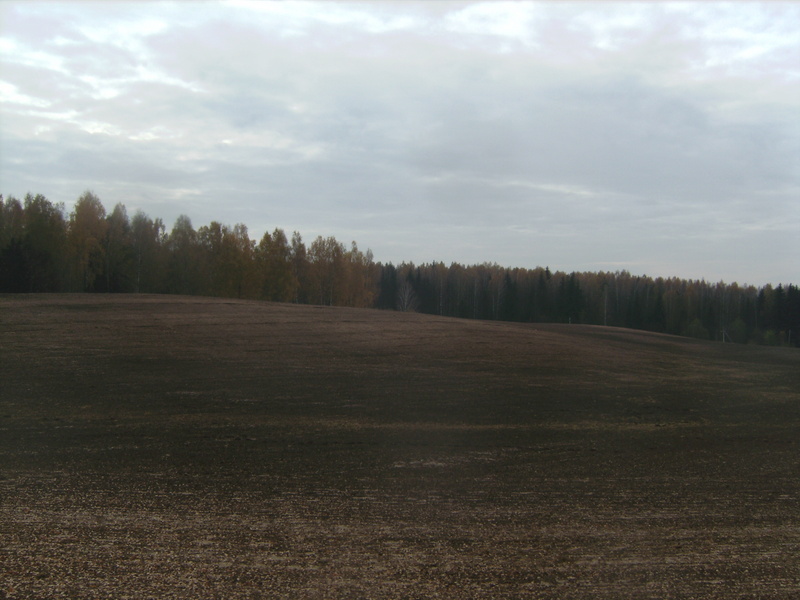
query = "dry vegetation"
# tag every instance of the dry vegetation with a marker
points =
(174, 447)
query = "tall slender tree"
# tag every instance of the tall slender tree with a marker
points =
(87, 232)
(119, 252)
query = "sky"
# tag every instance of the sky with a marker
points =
(658, 138)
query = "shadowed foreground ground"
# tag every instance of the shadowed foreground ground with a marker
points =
(172, 447)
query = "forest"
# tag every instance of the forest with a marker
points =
(44, 249)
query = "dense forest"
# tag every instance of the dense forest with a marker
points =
(42, 249)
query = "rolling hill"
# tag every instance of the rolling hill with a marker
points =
(182, 447)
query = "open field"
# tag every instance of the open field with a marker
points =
(174, 447)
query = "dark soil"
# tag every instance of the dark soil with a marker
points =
(173, 447)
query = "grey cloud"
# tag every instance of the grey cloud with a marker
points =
(576, 137)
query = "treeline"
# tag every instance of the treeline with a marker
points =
(43, 249)
(732, 313)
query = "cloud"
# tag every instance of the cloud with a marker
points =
(573, 134)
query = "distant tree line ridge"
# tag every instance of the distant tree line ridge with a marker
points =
(42, 249)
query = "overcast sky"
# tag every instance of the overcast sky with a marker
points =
(659, 138)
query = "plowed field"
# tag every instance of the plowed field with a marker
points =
(174, 447)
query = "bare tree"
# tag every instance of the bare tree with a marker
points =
(406, 297)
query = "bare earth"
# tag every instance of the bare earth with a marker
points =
(173, 447)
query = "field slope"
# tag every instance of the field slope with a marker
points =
(174, 447)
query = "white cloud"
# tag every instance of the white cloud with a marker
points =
(300, 18)
(513, 20)
(9, 93)
(742, 39)
(128, 34)
(611, 27)
(18, 54)
(572, 134)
